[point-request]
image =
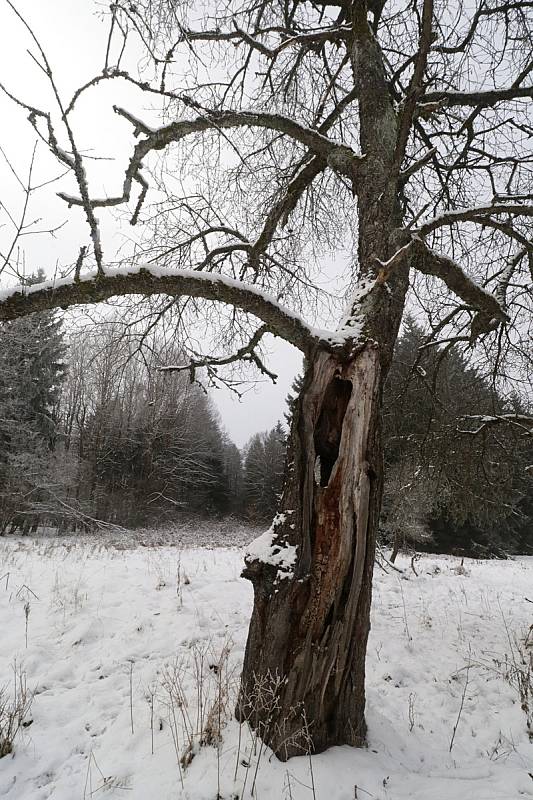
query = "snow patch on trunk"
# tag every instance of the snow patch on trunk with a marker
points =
(268, 551)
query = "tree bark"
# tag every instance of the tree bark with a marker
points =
(304, 667)
(303, 681)
(396, 544)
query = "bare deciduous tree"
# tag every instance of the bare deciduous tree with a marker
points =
(401, 130)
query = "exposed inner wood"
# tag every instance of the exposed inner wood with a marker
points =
(328, 429)
(309, 629)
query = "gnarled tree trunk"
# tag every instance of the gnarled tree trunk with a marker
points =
(303, 681)
(304, 669)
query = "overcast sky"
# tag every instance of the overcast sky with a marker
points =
(73, 35)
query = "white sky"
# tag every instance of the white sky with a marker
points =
(74, 38)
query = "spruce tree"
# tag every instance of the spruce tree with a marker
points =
(263, 472)
(32, 371)
(444, 483)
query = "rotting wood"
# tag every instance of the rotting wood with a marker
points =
(312, 622)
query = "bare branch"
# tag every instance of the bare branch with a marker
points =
(339, 157)
(482, 99)
(415, 88)
(418, 164)
(286, 204)
(246, 353)
(312, 37)
(75, 162)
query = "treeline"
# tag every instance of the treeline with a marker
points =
(454, 482)
(94, 432)
(457, 480)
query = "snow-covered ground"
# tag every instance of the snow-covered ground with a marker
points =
(134, 655)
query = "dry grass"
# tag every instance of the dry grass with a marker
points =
(14, 710)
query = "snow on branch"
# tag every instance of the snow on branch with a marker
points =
(483, 421)
(482, 99)
(95, 287)
(477, 214)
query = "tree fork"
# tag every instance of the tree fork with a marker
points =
(304, 667)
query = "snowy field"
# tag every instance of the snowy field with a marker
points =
(133, 656)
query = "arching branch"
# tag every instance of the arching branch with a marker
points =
(95, 288)
(339, 157)
(480, 214)
(490, 312)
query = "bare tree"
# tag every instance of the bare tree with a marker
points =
(148, 444)
(400, 130)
